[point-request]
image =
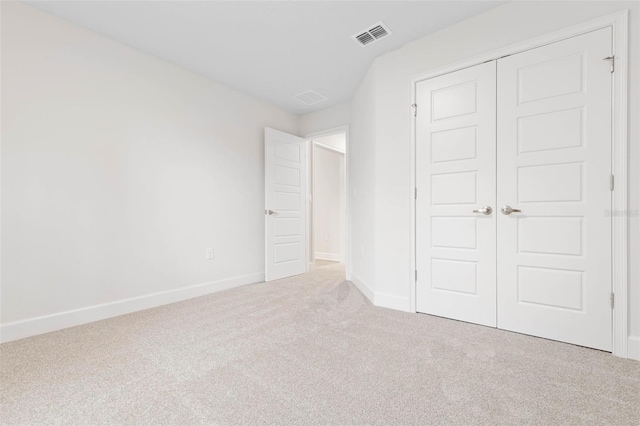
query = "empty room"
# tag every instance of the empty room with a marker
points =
(319, 212)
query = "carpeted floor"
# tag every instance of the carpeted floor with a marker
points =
(308, 349)
(320, 263)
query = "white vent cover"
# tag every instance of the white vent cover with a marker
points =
(310, 97)
(375, 33)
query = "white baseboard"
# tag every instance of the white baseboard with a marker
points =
(45, 324)
(391, 301)
(364, 288)
(633, 348)
(328, 256)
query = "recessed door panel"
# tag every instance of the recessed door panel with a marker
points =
(286, 175)
(457, 276)
(288, 152)
(550, 77)
(453, 188)
(454, 101)
(551, 130)
(544, 183)
(286, 252)
(453, 145)
(286, 201)
(551, 235)
(286, 226)
(550, 288)
(453, 232)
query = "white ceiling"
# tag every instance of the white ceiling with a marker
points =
(272, 50)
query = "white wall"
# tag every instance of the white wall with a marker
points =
(325, 119)
(119, 169)
(381, 134)
(362, 184)
(328, 202)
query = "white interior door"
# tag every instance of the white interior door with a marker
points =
(285, 204)
(554, 164)
(455, 179)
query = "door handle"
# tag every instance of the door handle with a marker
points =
(507, 210)
(271, 212)
(486, 210)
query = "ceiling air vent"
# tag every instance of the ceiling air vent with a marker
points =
(365, 38)
(310, 97)
(376, 32)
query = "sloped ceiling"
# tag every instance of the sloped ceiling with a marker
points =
(272, 50)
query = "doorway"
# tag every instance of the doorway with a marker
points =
(289, 208)
(328, 199)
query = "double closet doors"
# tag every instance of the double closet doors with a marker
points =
(513, 169)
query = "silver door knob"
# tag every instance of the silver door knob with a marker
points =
(486, 210)
(270, 212)
(508, 210)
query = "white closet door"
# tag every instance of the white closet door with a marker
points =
(455, 174)
(554, 164)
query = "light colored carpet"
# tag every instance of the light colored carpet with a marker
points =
(308, 349)
(320, 263)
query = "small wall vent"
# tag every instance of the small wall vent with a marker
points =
(375, 33)
(310, 97)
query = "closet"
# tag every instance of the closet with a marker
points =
(513, 168)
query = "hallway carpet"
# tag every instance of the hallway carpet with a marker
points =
(319, 263)
(307, 350)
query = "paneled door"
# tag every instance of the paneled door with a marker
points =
(456, 194)
(554, 167)
(285, 171)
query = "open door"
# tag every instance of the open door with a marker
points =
(285, 175)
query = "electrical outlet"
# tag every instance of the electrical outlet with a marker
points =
(209, 254)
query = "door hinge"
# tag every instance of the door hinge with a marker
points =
(611, 297)
(415, 194)
(416, 275)
(415, 109)
(611, 182)
(611, 58)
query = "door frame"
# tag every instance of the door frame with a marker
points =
(309, 138)
(619, 22)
